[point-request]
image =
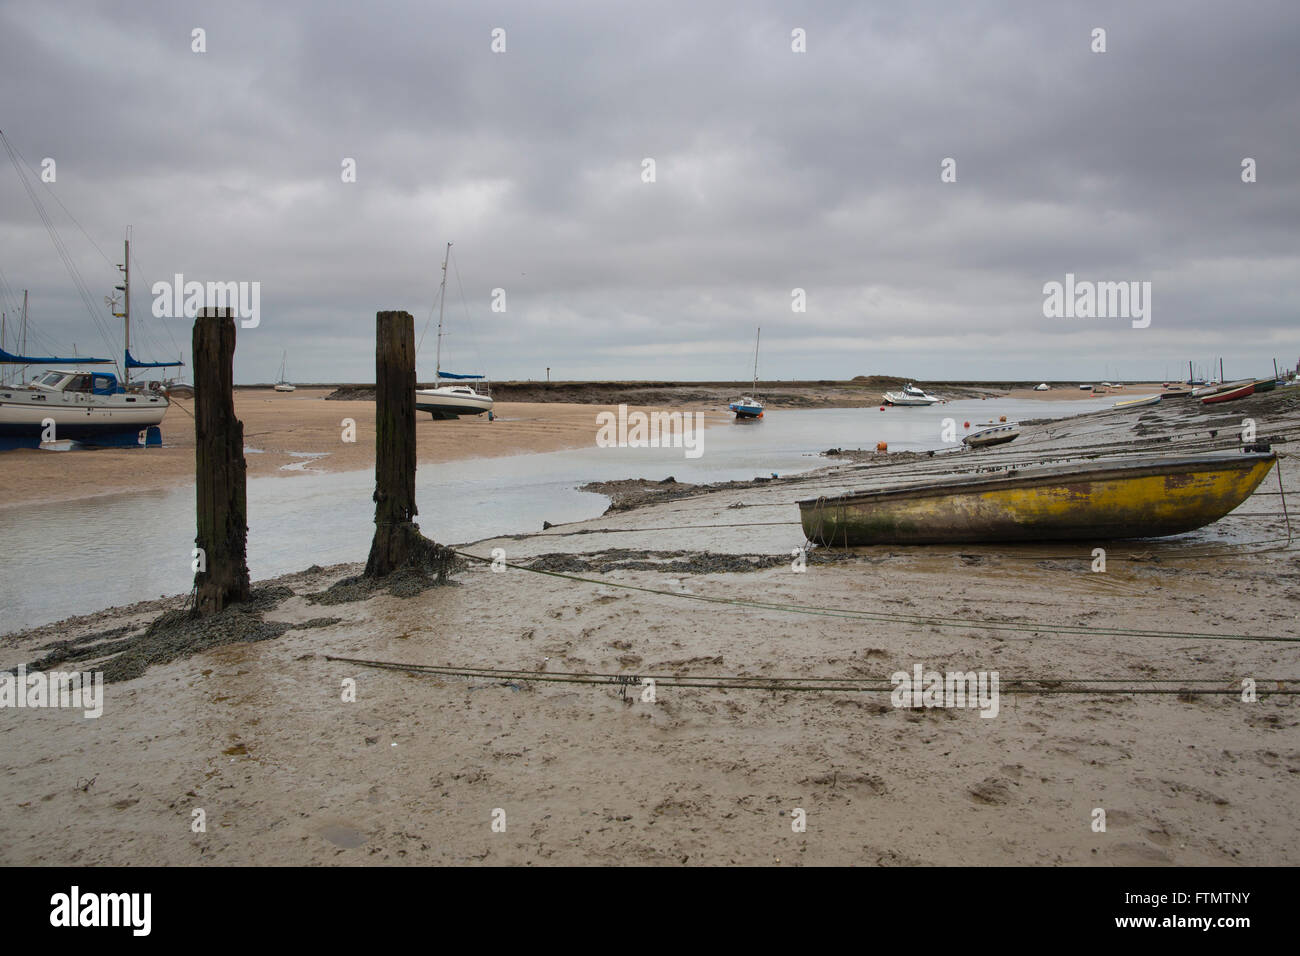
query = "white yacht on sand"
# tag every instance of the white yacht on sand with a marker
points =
(87, 406)
(445, 402)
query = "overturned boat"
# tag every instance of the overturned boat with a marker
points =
(1134, 497)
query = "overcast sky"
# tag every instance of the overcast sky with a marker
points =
(774, 170)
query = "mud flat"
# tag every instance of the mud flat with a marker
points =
(256, 733)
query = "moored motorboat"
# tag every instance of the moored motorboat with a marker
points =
(992, 433)
(910, 395)
(1134, 497)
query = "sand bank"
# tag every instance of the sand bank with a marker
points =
(278, 425)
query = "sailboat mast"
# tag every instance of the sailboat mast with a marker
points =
(756, 337)
(125, 315)
(442, 298)
(126, 304)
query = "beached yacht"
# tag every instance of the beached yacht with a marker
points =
(445, 402)
(283, 384)
(748, 407)
(910, 395)
(90, 407)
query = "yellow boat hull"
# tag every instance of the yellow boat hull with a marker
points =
(1134, 499)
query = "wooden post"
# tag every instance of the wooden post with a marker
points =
(396, 534)
(220, 469)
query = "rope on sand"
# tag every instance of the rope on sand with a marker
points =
(1044, 686)
(913, 619)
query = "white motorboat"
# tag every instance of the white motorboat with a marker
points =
(992, 433)
(446, 402)
(1042, 387)
(910, 395)
(747, 407)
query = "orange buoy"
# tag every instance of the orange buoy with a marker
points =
(1002, 418)
(882, 446)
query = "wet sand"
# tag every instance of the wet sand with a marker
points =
(258, 736)
(276, 425)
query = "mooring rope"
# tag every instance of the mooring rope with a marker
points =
(915, 619)
(1024, 685)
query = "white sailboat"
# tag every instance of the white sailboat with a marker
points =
(283, 384)
(90, 407)
(446, 402)
(747, 407)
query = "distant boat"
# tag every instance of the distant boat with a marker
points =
(1137, 402)
(1229, 394)
(1085, 388)
(910, 395)
(1042, 388)
(748, 407)
(449, 402)
(992, 433)
(1137, 497)
(1215, 388)
(283, 384)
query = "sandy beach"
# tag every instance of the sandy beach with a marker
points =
(419, 767)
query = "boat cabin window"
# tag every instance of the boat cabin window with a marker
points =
(50, 378)
(78, 383)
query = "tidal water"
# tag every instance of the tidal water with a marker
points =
(69, 558)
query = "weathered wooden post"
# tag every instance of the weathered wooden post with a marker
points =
(397, 538)
(221, 565)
